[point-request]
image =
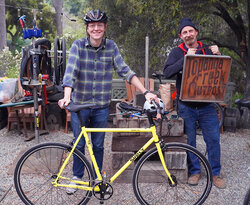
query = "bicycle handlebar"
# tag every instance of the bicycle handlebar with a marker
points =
(158, 75)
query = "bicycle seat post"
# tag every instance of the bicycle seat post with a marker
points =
(80, 119)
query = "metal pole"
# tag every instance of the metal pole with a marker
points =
(35, 60)
(146, 61)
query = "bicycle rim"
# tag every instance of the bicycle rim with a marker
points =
(39, 166)
(247, 198)
(152, 186)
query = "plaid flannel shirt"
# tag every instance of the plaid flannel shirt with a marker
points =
(89, 71)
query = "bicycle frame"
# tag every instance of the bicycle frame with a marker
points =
(85, 132)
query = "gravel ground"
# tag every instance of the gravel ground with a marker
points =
(235, 161)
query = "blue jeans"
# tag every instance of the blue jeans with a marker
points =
(208, 121)
(92, 118)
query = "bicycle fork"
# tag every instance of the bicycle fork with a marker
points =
(159, 149)
(158, 146)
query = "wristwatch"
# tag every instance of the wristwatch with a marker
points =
(146, 92)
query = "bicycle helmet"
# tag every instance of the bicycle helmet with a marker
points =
(151, 108)
(95, 16)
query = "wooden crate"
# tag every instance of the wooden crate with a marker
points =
(173, 127)
(177, 164)
(134, 143)
(134, 122)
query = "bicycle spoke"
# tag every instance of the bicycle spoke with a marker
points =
(38, 168)
(151, 183)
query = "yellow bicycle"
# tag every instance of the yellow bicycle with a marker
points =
(44, 172)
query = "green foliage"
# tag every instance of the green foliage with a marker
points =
(236, 96)
(131, 21)
(73, 31)
(25, 7)
(10, 63)
(74, 7)
(45, 18)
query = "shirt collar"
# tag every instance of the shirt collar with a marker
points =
(102, 46)
(185, 47)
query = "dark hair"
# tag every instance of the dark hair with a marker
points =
(186, 22)
(95, 16)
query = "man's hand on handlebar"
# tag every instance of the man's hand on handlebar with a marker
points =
(151, 96)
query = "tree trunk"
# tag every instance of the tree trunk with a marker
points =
(58, 5)
(3, 41)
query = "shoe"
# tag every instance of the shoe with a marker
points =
(70, 190)
(193, 179)
(219, 182)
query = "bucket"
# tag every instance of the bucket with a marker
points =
(7, 88)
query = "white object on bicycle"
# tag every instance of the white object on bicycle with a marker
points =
(149, 106)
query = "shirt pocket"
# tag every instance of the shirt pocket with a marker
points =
(106, 60)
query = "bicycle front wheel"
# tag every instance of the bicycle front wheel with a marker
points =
(38, 168)
(152, 186)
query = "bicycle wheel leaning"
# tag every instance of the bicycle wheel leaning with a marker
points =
(152, 186)
(247, 198)
(39, 166)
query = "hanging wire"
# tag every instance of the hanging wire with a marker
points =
(63, 14)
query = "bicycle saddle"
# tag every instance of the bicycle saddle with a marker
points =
(77, 107)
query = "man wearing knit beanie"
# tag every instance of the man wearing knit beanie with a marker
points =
(186, 22)
(203, 112)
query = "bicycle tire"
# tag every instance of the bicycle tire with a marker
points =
(63, 58)
(57, 59)
(247, 198)
(44, 61)
(152, 186)
(39, 166)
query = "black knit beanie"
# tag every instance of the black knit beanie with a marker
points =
(186, 22)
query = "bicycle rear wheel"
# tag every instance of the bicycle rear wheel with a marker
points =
(247, 198)
(39, 166)
(152, 186)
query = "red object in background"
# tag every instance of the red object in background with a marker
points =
(45, 76)
(27, 93)
(173, 95)
(45, 94)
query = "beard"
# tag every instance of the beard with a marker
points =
(190, 41)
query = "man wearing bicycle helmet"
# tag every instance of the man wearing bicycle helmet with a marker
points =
(191, 112)
(88, 79)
